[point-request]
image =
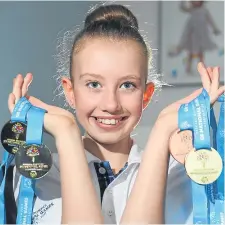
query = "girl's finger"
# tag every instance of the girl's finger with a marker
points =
(220, 91)
(206, 82)
(215, 79)
(214, 97)
(27, 81)
(14, 79)
(50, 108)
(210, 72)
(17, 87)
(11, 102)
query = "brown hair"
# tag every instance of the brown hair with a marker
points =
(114, 21)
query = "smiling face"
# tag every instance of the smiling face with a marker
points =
(108, 86)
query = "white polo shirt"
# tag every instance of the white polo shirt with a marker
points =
(48, 204)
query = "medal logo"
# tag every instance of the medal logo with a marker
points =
(33, 174)
(15, 149)
(33, 151)
(18, 129)
(203, 158)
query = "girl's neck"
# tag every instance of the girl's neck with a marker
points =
(117, 154)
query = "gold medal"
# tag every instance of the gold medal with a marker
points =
(180, 144)
(203, 166)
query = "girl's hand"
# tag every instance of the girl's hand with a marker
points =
(210, 81)
(56, 121)
(78, 192)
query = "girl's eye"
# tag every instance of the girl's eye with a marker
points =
(93, 84)
(128, 85)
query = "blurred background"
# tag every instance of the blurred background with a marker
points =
(31, 31)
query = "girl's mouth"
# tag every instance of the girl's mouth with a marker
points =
(109, 122)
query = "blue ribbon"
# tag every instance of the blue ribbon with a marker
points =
(35, 120)
(20, 110)
(208, 200)
(211, 188)
(18, 115)
(185, 121)
(26, 201)
(201, 124)
(219, 201)
(217, 188)
(200, 128)
(220, 148)
(221, 98)
(35, 124)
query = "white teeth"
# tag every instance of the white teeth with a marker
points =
(108, 121)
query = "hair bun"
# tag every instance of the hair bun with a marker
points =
(109, 13)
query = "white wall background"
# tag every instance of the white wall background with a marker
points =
(28, 40)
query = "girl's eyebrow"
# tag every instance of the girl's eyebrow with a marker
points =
(98, 76)
(133, 77)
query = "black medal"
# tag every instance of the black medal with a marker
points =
(13, 136)
(33, 161)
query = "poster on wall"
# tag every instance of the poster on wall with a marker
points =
(191, 31)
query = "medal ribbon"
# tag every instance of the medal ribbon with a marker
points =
(201, 193)
(186, 121)
(219, 201)
(211, 189)
(35, 118)
(215, 191)
(18, 115)
(211, 209)
(201, 121)
(35, 121)
(190, 117)
(220, 148)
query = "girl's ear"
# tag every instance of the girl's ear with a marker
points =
(150, 87)
(68, 90)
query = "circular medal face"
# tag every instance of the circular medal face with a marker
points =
(33, 161)
(180, 145)
(203, 166)
(13, 136)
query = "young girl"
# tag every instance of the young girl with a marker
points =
(105, 177)
(195, 38)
